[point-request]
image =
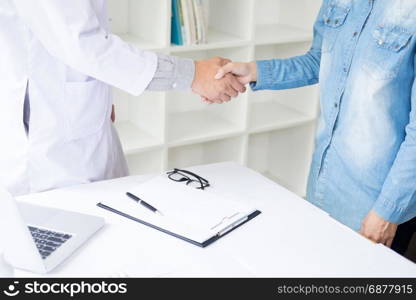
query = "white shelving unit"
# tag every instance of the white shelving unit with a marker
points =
(283, 155)
(269, 131)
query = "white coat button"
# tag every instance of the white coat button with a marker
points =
(175, 85)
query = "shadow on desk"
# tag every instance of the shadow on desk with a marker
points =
(411, 252)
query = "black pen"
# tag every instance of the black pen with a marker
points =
(145, 204)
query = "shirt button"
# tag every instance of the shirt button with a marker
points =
(336, 105)
(345, 70)
(355, 34)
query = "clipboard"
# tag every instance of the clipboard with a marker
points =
(195, 216)
(202, 245)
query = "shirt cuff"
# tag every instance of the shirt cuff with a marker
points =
(173, 73)
(264, 74)
(389, 211)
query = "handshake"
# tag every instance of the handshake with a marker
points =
(218, 80)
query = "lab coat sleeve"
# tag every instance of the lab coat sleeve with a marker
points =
(397, 200)
(173, 73)
(71, 32)
(279, 74)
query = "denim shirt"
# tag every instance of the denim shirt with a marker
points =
(363, 56)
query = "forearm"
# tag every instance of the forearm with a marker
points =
(173, 73)
(397, 200)
(278, 74)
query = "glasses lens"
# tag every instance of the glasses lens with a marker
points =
(178, 177)
(195, 184)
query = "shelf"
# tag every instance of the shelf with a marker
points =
(301, 192)
(133, 139)
(281, 50)
(216, 39)
(198, 126)
(143, 23)
(271, 115)
(283, 155)
(228, 149)
(280, 34)
(140, 43)
(146, 162)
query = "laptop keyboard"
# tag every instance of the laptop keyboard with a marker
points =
(48, 241)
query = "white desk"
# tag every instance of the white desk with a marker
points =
(291, 238)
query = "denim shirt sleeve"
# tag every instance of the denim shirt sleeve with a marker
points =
(278, 74)
(397, 200)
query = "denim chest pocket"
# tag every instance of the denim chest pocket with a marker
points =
(386, 52)
(334, 18)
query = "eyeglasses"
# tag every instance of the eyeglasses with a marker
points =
(190, 178)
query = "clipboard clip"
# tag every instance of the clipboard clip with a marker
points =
(232, 226)
(224, 219)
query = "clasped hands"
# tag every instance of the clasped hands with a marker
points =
(218, 80)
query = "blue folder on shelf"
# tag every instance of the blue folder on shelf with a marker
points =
(195, 216)
(176, 31)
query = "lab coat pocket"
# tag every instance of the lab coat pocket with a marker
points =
(386, 52)
(88, 107)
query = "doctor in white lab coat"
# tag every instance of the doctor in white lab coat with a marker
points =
(58, 61)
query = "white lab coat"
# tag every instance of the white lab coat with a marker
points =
(61, 51)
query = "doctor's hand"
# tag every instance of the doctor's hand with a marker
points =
(244, 72)
(378, 230)
(211, 89)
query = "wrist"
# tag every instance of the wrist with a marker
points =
(196, 73)
(253, 71)
(184, 73)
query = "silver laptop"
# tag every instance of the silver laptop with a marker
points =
(38, 239)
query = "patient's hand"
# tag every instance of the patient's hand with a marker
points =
(215, 90)
(245, 72)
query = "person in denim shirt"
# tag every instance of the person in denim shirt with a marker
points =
(364, 166)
